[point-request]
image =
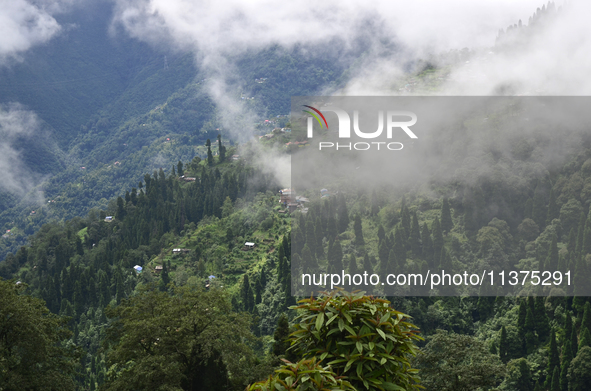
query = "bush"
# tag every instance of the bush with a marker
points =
(303, 375)
(360, 337)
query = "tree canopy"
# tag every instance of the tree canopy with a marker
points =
(360, 337)
(32, 356)
(188, 340)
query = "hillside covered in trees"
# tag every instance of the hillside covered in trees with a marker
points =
(162, 257)
(83, 269)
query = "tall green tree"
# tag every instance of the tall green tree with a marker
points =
(542, 322)
(358, 231)
(32, 353)
(456, 362)
(280, 336)
(567, 357)
(246, 294)
(190, 340)
(405, 219)
(446, 221)
(585, 338)
(437, 240)
(531, 339)
(427, 245)
(504, 346)
(221, 149)
(555, 380)
(553, 358)
(415, 237)
(209, 153)
(353, 268)
(343, 214)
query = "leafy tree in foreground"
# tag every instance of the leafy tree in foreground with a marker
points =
(187, 341)
(360, 337)
(31, 354)
(301, 376)
(459, 363)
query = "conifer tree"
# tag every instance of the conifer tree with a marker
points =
(353, 268)
(209, 154)
(446, 220)
(524, 381)
(319, 237)
(367, 265)
(289, 298)
(310, 233)
(427, 245)
(399, 248)
(553, 358)
(221, 148)
(585, 338)
(542, 323)
(415, 236)
(280, 336)
(246, 295)
(574, 342)
(555, 380)
(358, 231)
(521, 320)
(387, 264)
(531, 341)
(383, 252)
(120, 214)
(504, 346)
(437, 240)
(586, 322)
(309, 263)
(331, 228)
(405, 220)
(381, 234)
(337, 255)
(343, 220)
(180, 171)
(567, 357)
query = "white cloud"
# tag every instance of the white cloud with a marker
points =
(23, 25)
(16, 122)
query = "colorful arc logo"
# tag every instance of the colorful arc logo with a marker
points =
(316, 116)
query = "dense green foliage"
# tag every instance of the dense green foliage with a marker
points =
(458, 362)
(141, 330)
(186, 340)
(360, 337)
(33, 354)
(302, 376)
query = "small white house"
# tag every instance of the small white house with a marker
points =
(108, 219)
(138, 269)
(249, 245)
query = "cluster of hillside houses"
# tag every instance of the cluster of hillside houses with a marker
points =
(292, 201)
